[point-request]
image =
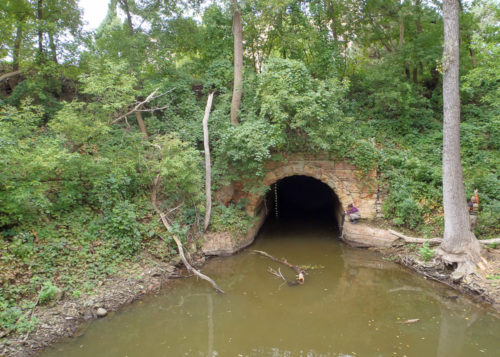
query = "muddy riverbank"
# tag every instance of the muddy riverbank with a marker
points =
(68, 316)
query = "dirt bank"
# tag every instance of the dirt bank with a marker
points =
(68, 316)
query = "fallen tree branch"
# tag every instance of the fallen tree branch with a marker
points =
(137, 107)
(437, 241)
(300, 272)
(431, 241)
(278, 273)
(167, 225)
(8, 75)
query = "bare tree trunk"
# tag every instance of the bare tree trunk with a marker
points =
(40, 30)
(124, 4)
(419, 31)
(238, 63)
(208, 171)
(459, 243)
(53, 49)
(17, 47)
(140, 122)
(401, 31)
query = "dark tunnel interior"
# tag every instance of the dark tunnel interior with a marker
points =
(303, 198)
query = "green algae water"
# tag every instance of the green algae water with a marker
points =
(352, 303)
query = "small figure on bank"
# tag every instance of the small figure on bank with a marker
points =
(473, 207)
(353, 213)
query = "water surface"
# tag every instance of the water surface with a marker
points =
(352, 304)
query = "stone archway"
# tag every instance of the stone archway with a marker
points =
(348, 183)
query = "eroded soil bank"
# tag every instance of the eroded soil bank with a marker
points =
(70, 317)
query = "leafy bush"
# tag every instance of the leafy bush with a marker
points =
(47, 293)
(231, 218)
(121, 228)
(426, 252)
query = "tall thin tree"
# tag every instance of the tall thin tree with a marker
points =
(238, 62)
(459, 243)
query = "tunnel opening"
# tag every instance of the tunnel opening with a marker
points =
(303, 198)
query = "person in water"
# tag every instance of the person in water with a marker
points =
(353, 213)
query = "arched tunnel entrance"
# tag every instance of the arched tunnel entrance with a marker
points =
(302, 198)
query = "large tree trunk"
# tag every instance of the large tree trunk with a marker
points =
(459, 243)
(238, 62)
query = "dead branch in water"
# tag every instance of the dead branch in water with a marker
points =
(300, 272)
(278, 273)
(167, 225)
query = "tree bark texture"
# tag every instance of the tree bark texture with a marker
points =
(53, 48)
(238, 63)
(125, 7)
(140, 122)
(40, 25)
(17, 46)
(208, 171)
(458, 240)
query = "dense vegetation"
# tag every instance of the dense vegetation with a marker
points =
(359, 80)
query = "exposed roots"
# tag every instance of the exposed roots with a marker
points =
(464, 264)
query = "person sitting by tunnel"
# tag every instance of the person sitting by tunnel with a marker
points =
(353, 213)
(473, 207)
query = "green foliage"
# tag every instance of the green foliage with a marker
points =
(120, 226)
(75, 189)
(426, 252)
(247, 146)
(13, 318)
(493, 245)
(47, 293)
(231, 219)
(298, 106)
(179, 166)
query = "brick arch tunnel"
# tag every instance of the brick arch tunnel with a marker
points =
(303, 197)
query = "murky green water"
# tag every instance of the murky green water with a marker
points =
(353, 306)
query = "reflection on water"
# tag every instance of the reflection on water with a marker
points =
(353, 304)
